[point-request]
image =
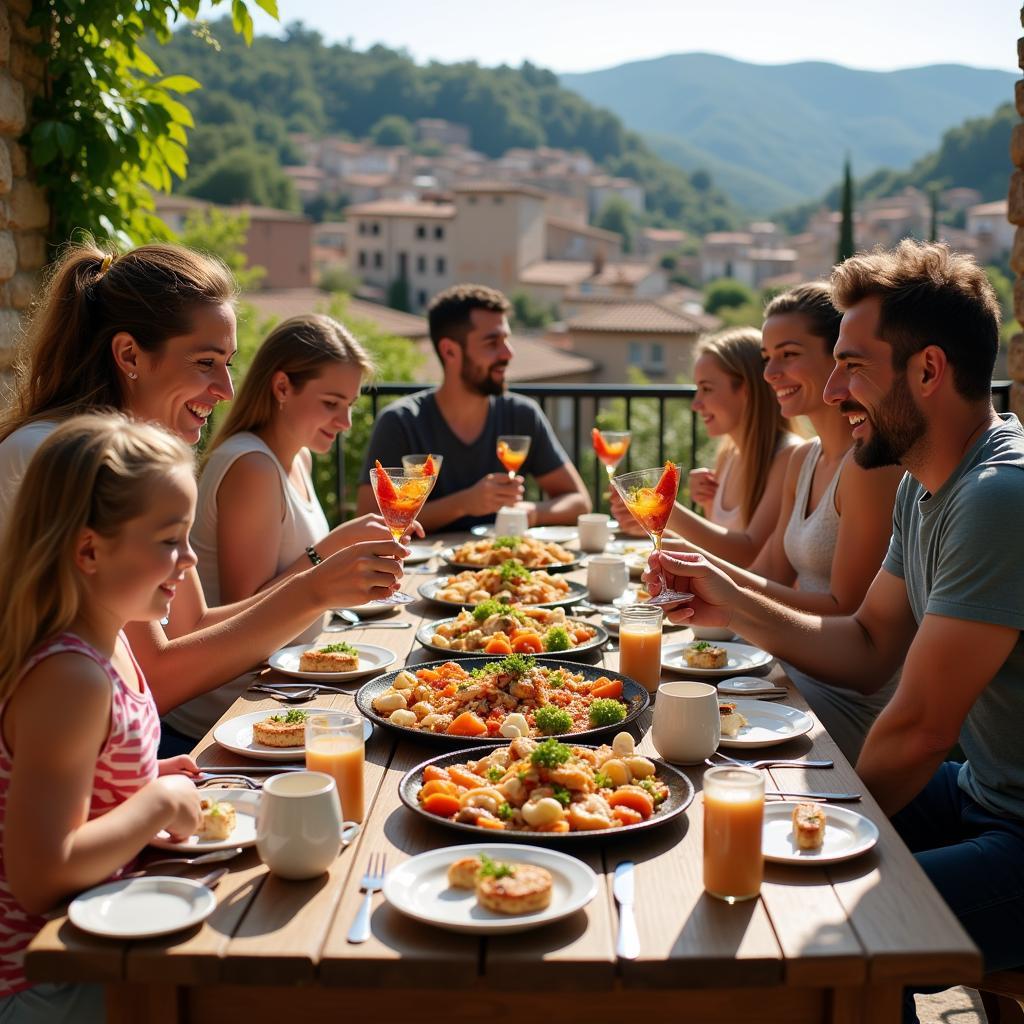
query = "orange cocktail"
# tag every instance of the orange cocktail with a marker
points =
(512, 452)
(400, 496)
(611, 447)
(733, 823)
(334, 744)
(640, 645)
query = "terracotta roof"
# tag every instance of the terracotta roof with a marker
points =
(500, 187)
(178, 204)
(986, 209)
(397, 208)
(286, 302)
(639, 316)
(583, 229)
(663, 234)
(535, 361)
(728, 238)
(563, 273)
(367, 180)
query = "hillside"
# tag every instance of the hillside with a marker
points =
(777, 135)
(253, 97)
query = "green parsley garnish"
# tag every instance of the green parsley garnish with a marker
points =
(338, 648)
(603, 781)
(557, 639)
(606, 711)
(562, 795)
(485, 609)
(494, 868)
(293, 717)
(656, 791)
(504, 811)
(551, 720)
(700, 645)
(512, 570)
(506, 542)
(550, 754)
(556, 679)
(495, 774)
(517, 665)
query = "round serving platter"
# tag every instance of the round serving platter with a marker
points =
(426, 632)
(448, 555)
(430, 589)
(680, 796)
(634, 695)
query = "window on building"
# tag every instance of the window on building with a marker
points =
(421, 298)
(498, 200)
(441, 264)
(378, 260)
(375, 228)
(635, 356)
(471, 200)
(656, 362)
(421, 231)
(362, 257)
(362, 227)
(439, 232)
(421, 264)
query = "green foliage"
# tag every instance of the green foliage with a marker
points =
(398, 294)
(338, 278)
(111, 126)
(726, 293)
(223, 234)
(618, 216)
(1003, 287)
(528, 313)
(392, 130)
(846, 247)
(245, 176)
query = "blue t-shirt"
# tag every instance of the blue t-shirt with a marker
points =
(415, 424)
(960, 553)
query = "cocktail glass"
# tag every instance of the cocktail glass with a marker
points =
(611, 447)
(400, 496)
(423, 464)
(512, 452)
(650, 494)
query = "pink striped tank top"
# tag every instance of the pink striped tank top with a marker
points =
(126, 763)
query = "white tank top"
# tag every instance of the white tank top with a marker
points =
(304, 523)
(727, 518)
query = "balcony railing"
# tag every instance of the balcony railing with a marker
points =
(572, 410)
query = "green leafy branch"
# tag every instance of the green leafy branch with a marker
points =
(108, 129)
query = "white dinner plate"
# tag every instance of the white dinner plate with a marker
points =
(557, 534)
(372, 609)
(741, 658)
(635, 550)
(139, 908)
(769, 724)
(244, 802)
(236, 735)
(419, 888)
(847, 834)
(741, 686)
(420, 553)
(372, 659)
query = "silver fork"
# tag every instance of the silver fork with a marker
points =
(769, 762)
(372, 881)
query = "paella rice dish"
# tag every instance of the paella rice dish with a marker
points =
(497, 628)
(533, 553)
(508, 698)
(511, 583)
(547, 786)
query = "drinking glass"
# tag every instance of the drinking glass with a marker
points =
(611, 447)
(334, 746)
(733, 822)
(512, 452)
(414, 464)
(640, 644)
(650, 495)
(400, 496)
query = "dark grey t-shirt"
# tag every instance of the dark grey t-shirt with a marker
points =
(415, 424)
(960, 553)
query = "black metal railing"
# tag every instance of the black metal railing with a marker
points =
(572, 409)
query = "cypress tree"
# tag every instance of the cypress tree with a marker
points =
(845, 248)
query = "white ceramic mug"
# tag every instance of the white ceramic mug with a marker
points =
(607, 577)
(687, 725)
(594, 531)
(298, 824)
(511, 521)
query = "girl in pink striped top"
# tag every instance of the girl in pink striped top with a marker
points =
(98, 538)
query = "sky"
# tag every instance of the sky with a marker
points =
(586, 35)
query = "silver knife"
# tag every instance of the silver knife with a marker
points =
(250, 769)
(627, 945)
(836, 798)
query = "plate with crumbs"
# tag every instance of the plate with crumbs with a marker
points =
(236, 735)
(847, 834)
(371, 659)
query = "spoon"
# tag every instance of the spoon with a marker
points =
(349, 616)
(203, 858)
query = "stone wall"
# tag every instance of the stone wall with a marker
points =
(24, 212)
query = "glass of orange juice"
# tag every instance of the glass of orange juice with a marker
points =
(733, 820)
(640, 644)
(334, 744)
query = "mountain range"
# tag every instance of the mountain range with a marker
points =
(775, 135)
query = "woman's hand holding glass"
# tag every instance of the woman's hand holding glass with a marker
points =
(359, 573)
(370, 527)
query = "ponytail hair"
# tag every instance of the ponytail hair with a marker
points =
(66, 365)
(97, 472)
(738, 352)
(300, 348)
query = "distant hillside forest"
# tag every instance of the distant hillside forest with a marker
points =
(253, 97)
(975, 154)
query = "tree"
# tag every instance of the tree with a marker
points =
(398, 294)
(846, 247)
(393, 130)
(727, 293)
(109, 129)
(618, 216)
(223, 234)
(934, 188)
(247, 176)
(529, 314)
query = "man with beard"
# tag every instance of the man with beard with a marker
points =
(914, 358)
(463, 419)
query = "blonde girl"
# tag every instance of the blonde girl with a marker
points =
(152, 332)
(258, 517)
(98, 538)
(742, 495)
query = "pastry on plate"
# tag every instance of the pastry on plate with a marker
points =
(512, 888)
(809, 826)
(705, 655)
(287, 730)
(732, 720)
(462, 873)
(218, 820)
(339, 657)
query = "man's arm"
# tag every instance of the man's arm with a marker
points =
(949, 664)
(567, 497)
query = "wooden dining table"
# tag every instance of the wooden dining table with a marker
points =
(834, 943)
